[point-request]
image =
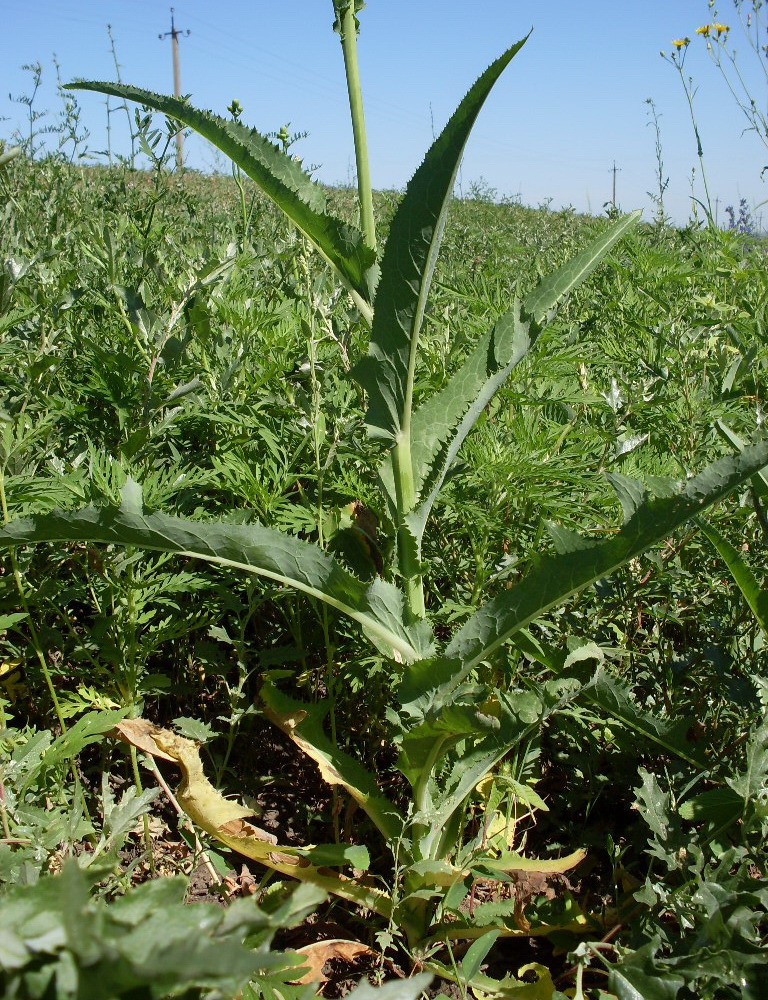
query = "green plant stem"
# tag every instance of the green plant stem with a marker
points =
(318, 432)
(407, 557)
(3, 810)
(238, 177)
(145, 819)
(421, 790)
(363, 307)
(364, 191)
(689, 95)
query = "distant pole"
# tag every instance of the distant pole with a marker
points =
(175, 33)
(614, 170)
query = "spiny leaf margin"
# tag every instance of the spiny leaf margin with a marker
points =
(278, 175)
(408, 264)
(554, 578)
(249, 548)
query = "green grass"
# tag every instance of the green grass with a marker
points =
(145, 335)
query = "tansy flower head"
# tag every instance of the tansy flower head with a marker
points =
(680, 43)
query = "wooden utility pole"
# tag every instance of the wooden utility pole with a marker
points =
(175, 33)
(614, 171)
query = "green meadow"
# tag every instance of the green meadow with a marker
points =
(383, 596)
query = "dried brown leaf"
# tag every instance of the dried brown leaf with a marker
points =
(318, 954)
(141, 734)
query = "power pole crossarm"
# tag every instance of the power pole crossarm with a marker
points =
(175, 34)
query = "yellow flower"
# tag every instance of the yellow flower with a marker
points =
(721, 28)
(680, 43)
(704, 30)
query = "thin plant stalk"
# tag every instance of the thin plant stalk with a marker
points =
(348, 33)
(318, 433)
(145, 819)
(677, 60)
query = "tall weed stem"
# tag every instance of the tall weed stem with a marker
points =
(677, 61)
(348, 33)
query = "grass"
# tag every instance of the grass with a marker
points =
(146, 335)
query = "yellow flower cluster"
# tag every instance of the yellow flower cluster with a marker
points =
(707, 29)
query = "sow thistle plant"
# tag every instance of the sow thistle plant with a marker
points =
(449, 728)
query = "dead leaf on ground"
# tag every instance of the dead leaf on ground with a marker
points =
(318, 954)
(527, 885)
(243, 884)
(141, 734)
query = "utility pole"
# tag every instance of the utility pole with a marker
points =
(175, 33)
(614, 170)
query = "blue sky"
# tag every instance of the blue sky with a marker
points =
(571, 103)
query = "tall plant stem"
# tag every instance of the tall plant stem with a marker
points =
(348, 32)
(407, 555)
(145, 818)
(318, 436)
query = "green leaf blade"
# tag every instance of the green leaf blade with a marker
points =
(555, 578)
(615, 700)
(251, 548)
(755, 595)
(278, 175)
(442, 423)
(549, 292)
(408, 264)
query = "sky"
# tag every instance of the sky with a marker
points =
(571, 106)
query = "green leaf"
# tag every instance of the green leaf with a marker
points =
(249, 548)
(720, 807)
(549, 292)
(755, 595)
(476, 954)
(147, 943)
(639, 978)
(397, 989)
(614, 699)
(760, 481)
(408, 263)
(654, 806)
(517, 716)
(753, 781)
(554, 578)
(88, 729)
(337, 855)
(7, 621)
(441, 424)
(193, 729)
(121, 818)
(508, 988)
(277, 174)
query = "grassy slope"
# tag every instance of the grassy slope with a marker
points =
(118, 358)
